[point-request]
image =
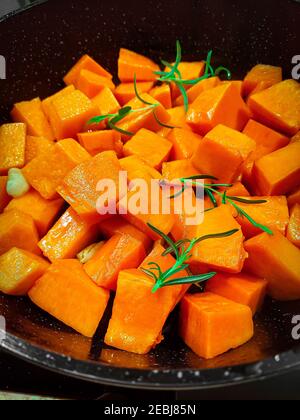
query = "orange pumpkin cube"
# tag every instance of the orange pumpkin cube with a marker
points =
(4, 197)
(36, 146)
(17, 229)
(69, 114)
(240, 288)
(47, 171)
(66, 281)
(96, 142)
(278, 107)
(117, 225)
(198, 88)
(91, 84)
(224, 254)
(131, 64)
(19, 270)
(267, 141)
(162, 94)
(80, 187)
(12, 147)
(85, 63)
(188, 71)
(150, 147)
(43, 212)
(279, 172)
(220, 105)
(136, 168)
(296, 138)
(47, 102)
(125, 92)
(294, 197)
(222, 153)
(261, 74)
(185, 143)
(106, 102)
(121, 252)
(293, 233)
(31, 113)
(225, 324)
(68, 237)
(178, 169)
(276, 259)
(273, 214)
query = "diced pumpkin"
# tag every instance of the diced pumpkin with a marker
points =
(274, 214)
(43, 212)
(224, 254)
(91, 84)
(67, 237)
(136, 168)
(267, 141)
(47, 171)
(86, 63)
(121, 252)
(79, 187)
(261, 73)
(143, 119)
(198, 88)
(131, 210)
(220, 105)
(177, 119)
(276, 259)
(117, 225)
(17, 229)
(162, 94)
(225, 324)
(36, 146)
(31, 113)
(4, 197)
(12, 147)
(259, 88)
(294, 197)
(178, 169)
(150, 147)
(69, 114)
(130, 327)
(222, 153)
(237, 190)
(19, 270)
(279, 172)
(131, 64)
(106, 102)
(46, 102)
(67, 293)
(296, 138)
(96, 142)
(278, 107)
(125, 92)
(293, 233)
(240, 288)
(188, 71)
(185, 143)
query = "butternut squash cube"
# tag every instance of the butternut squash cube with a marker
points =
(12, 147)
(293, 233)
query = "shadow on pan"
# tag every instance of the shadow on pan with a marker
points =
(40, 45)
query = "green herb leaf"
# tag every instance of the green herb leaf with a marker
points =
(247, 201)
(189, 280)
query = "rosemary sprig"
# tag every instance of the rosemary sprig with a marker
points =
(174, 75)
(182, 252)
(211, 189)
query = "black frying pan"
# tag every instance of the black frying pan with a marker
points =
(40, 45)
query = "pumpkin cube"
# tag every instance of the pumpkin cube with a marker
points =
(12, 147)
(293, 233)
(85, 63)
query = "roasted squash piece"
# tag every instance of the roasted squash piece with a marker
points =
(91, 84)
(136, 168)
(19, 270)
(162, 94)
(4, 197)
(68, 236)
(241, 288)
(67, 293)
(87, 63)
(225, 324)
(198, 88)
(96, 142)
(125, 92)
(47, 102)
(185, 143)
(293, 233)
(259, 75)
(12, 147)
(276, 259)
(131, 64)
(36, 146)
(178, 169)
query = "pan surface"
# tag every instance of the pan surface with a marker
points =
(40, 45)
